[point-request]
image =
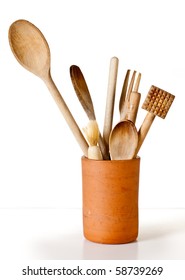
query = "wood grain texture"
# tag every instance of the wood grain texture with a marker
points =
(123, 141)
(129, 109)
(157, 103)
(109, 110)
(124, 92)
(132, 106)
(83, 94)
(134, 100)
(82, 91)
(31, 49)
(91, 132)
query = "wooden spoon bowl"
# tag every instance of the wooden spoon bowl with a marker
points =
(123, 141)
(31, 49)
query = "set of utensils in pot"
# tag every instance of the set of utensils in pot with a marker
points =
(121, 142)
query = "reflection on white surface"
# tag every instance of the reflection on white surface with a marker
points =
(108, 252)
(56, 234)
(76, 247)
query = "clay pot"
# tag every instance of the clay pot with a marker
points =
(110, 200)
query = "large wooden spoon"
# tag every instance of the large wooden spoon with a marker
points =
(31, 49)
(123, 141)
(84, 97)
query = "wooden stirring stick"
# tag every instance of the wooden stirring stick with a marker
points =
(157, 103)
(109, 110)
(133, 102)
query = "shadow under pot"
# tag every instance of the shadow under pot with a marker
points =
(110, 200)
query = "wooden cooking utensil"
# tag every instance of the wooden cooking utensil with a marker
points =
(31, 49)
(133, 101)
(132, 106)
(157, 103)
(124, 92)
(83, 94)
(109, 110)
(91, 132)
(124, 137)
(123, 141)
(82, 91)
(129, 109)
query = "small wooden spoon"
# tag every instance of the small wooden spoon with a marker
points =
(83, 94)
(123, 141)
(31, 49)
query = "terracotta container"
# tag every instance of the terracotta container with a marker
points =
(110, 200)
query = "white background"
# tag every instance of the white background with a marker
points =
(40, 161)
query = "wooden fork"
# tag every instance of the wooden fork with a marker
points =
(130, 97)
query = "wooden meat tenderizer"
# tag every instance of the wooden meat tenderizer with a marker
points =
(92, 133)
(157, 103)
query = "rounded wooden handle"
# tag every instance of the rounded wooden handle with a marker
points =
(94, 153)
(132, 106)
(144, 129)
(109, 110)
(103, 148)
(67, 115)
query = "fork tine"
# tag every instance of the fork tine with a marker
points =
(133, 99)
(131, 86)
(136, 86)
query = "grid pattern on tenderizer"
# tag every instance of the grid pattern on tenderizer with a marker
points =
(158, 101)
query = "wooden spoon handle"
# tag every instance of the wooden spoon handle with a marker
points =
(67, 114)
(132, 106)
(109, 110)
(103, 148)
(134, 101)
(94, 153)
(144, 129)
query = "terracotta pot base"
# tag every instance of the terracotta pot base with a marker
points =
(110, 200)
